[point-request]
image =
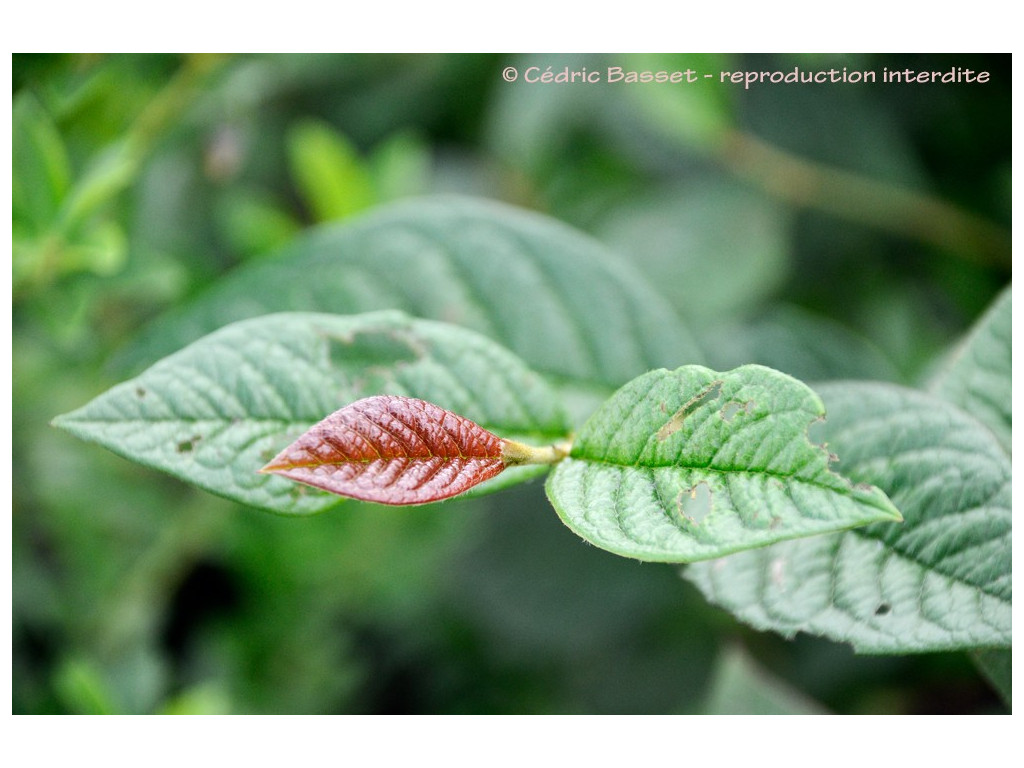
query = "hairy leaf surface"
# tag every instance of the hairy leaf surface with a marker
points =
(554, 297)
(692, 464)
(220, 409)
(977, 375)
(942, 580)
(392, 450)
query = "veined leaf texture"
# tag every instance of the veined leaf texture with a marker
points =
(392, 450)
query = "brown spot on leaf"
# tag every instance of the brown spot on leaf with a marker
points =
(187, 446)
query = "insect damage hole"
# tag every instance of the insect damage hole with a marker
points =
(734, 407)
(815, 434)
(694, 504)
(711, 392)
(380, 348)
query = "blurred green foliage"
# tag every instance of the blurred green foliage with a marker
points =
(830, 231)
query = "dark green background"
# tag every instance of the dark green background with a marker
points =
(135, 593)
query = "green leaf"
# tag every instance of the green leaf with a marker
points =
(81, 688)
(806, 345)
(41, 172)
(710, 232)
(400, 167)
(701, 112)
(329, 173)
(976, 377)
(202, 699)
(556, 298)
(996, 664)
(940, 581)
(111, 172)
(741, 687)
(218, 410)
(691, 464)
(254, 223)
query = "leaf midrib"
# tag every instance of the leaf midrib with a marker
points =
(766, 473)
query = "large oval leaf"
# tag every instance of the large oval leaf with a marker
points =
(220, 409)
(940, 581)
(977, 374)
(556, 298)
(691, 464)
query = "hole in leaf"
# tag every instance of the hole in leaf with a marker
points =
(368, 360)
(883, 609)
(816, 432)
(711, 392)
(695, 504)
(733, 407)
(373, 349)
(816, 437)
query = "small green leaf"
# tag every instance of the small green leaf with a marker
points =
(81, 688)
(254, 223)
(691, 464)
(699, 112)
(217, 411)
(328, 171)
(940, 581)
(41, 172)
(108, 175)
(976, 377)
(996, 664)
(400, 166)
(740, 686)
(202, 699)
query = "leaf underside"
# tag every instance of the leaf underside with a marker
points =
(692, 464)
(940, 581)
(392, 450)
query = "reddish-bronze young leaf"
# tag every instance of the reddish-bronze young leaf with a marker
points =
(392, 450)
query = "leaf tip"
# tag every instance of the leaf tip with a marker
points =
(884, 505)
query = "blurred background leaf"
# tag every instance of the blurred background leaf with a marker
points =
(740, 687)
(141, 180)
